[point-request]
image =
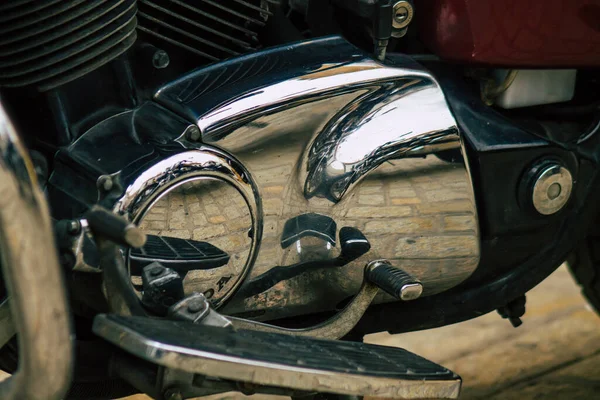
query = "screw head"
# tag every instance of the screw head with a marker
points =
(160, 59)
(105, 183)
(552, 189)
(193, 134)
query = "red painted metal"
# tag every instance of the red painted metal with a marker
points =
(512, 33)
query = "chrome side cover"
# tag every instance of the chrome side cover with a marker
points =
(324, 129)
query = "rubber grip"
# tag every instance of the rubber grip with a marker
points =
(393, 280)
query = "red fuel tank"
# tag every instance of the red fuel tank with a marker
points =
(512, 33)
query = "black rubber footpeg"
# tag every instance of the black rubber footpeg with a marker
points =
(393, 280)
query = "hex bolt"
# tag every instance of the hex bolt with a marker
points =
(156, 271)
(105, 183)
(160, 59)
(193, 134)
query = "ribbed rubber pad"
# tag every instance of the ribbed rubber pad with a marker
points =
(272, 359)
(49, 43)
(389, 278)
(182, 255)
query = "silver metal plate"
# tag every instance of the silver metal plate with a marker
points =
(280, 360)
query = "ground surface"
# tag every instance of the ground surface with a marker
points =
(555, 354)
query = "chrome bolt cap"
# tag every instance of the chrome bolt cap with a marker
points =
(552, 189)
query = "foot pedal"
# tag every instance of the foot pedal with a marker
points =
(181, 255)
(393, 280)
(282, 361)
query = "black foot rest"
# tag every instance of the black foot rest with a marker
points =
(276, 360)
(393, 280)
(182, 255)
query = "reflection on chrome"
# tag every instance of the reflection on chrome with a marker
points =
(201, 164)
(368, 146)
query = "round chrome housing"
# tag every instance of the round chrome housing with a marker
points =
(173, 181)
(552, 189)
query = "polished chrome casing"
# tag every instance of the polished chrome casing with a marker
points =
(322, 128)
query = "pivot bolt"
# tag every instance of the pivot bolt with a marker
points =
(551, 189)
(195, 306)
(73, 227)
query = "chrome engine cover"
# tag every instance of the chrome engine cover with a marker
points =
(324, 129)
(314, 137)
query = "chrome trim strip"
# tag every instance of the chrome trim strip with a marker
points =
(33, 277)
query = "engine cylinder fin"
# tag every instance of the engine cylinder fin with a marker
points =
(234, 12)
(91, 65)
(185, 33)
(176, 43)
(213, 30)
(64, 40)
(45, 19)
(196, 24)
(63, 35)
(214, 18)
(22, 12)
(14, 4)
(100, 28)
(254, 7)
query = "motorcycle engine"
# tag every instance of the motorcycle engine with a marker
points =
(266, 180)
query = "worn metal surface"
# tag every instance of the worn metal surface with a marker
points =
(280, 360)
(554, 355)
(33, 277)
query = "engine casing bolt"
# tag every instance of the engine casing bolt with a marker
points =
(552, 188)
(160, 59)
(193, 134)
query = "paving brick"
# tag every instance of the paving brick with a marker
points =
(178, 233)
(212, 210)
(407, 200)
(208, 232)
(401, 225)
(454, 206)
(459, 223)
(371, 199)
(219, 219)
(379, 212)
(437, 246)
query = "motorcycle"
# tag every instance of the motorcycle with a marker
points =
(217, 196)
